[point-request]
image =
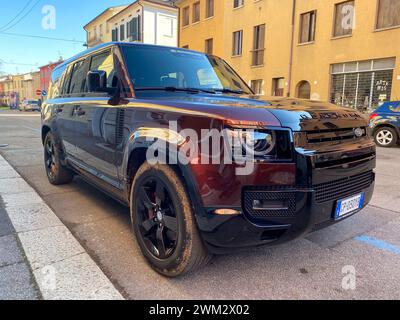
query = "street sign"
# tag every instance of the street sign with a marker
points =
(44, 93)
(38, 92)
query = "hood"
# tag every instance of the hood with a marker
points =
(307, 115)
(297, 114)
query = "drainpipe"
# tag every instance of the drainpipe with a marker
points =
(291, 49)
(142, 23)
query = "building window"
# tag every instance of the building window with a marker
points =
(122, 32)
(101, 30)
(278, 87)
(257, 86)
(388, 14)
(134, 29)
(344, 19)
(209, 46)
(307, 26)
(238, 3)
(237, 43)
(209, 8)
(362, 85)
(196, 12)
(115, 34)
(258, 45)
(185, 16)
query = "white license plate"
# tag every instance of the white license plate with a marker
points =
(349, 206)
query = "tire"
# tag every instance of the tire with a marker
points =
(386, 137)
(158, 189)
(57, 174)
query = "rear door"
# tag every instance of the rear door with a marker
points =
(66, 110)
(96, 124)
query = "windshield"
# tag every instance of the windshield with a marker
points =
(159, 67)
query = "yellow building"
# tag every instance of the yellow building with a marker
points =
(98, 30)
(346, 52)
(17, 88)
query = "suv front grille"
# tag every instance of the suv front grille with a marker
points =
(321, 136)
(345, 187)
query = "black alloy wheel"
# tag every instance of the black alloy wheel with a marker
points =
(157, 218)
(57, 174)
(163, 221)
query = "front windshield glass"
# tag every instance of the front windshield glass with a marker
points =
(160, 67)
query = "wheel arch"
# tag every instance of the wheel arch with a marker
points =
(137, 157)
(45, 130)
(387, 125)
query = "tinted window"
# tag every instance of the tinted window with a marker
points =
(105, 62)
(56, 82)
(395, 107)
(67, 81)
(78, 79)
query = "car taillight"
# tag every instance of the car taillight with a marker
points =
(372, 116)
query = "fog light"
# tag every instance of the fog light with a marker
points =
(227, 212)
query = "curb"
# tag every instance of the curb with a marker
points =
(62, 268)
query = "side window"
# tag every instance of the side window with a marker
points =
(105, 62)
(67, 81)
(395, 107)
(56, 83)
(78, 79)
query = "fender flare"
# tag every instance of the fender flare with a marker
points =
(138, 141)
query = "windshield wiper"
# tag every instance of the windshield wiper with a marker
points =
(173, 89)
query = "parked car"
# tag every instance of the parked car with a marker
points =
(30, 105)
(385, 124)
(116, 108)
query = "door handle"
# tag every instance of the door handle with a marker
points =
(78, 111)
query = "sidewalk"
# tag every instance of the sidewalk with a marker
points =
(38, 251)
(16, 279)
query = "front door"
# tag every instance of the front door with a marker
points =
(96, 125)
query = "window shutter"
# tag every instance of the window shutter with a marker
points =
(114, 38)
(130, 29)
(134, 29)
(139, 28)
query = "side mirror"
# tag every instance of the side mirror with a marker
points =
(96, 81)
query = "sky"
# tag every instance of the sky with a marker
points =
(20, 54)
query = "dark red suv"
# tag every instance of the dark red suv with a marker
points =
(205, 166)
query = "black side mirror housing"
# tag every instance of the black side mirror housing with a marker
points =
(96, 81)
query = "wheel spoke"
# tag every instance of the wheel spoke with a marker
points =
(170, 223)
(160, 192)
(161, 242)
(148, 225)
(49, 148)
(145, 200)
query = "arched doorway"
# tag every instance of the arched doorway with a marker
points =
(303, 90)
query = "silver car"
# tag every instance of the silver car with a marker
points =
(30, 105)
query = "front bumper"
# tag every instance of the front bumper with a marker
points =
(315, 201)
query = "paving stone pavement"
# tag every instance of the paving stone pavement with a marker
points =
(16, 278)
(39, 257)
